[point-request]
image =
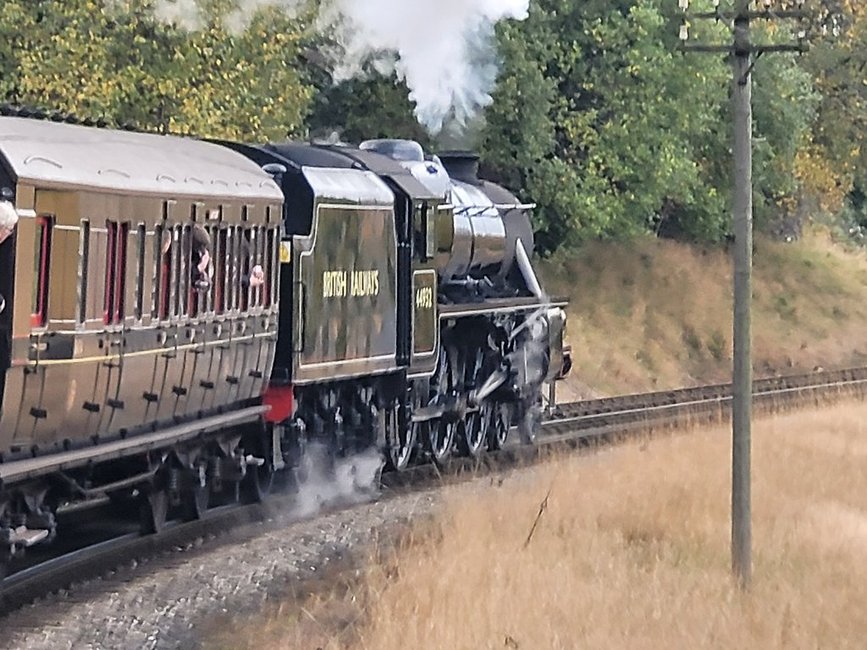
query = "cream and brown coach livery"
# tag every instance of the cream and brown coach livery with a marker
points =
(139, 311)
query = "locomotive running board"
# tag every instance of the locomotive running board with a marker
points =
(23, 469)
(495, 307)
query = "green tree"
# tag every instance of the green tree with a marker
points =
(601, 121)
(595, 114)
(833, 166)
(115, 59)
(374, 106)
(784, 110)
(244, 85)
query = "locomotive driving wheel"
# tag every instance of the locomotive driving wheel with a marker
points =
(474, 431)
(442, 432)
(441, 440)
(474, 428)
(400, 440)
(498, 429)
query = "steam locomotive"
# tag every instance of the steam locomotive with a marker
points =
(180, 319)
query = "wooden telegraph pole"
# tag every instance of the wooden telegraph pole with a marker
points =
(744, 54)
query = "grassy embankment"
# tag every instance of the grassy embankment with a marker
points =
(656, 314)
(632, 551)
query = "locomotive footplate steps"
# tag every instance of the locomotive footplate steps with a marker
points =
(26, 537)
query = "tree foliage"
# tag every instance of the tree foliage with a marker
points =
(596, 116)
(622, 134)
(834, 166)
(119, 61)
(373, 106)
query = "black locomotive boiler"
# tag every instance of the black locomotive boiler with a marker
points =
(179, 319)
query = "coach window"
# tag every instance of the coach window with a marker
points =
(260, 267)
(248, 251)
(41, 261)
(83, 263)
(234, 269)
(174, 266)
(199, 244)
(208, 287)
(157, 283)
(110, 268)
(270, 253)
(253, 257)
(257, 270)
(162, 293)
(140, 271)
(120, 284)
(175, 273)
(115, 272)
(228, 264)
(182, 251)
(220, 262)
(263, 265)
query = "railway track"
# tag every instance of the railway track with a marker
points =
(568, 426)
(701, 403)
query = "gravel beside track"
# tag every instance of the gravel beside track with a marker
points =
(168, 601)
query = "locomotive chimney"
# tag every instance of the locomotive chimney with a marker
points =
(461, 165)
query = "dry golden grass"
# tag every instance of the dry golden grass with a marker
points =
(632, 552)
(656, 314)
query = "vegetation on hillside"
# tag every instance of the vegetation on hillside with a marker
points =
(654, 314)
(596, 116)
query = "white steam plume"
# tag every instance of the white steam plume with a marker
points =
(350, 480)
(187, 13)
(182, 12)
(443, 49)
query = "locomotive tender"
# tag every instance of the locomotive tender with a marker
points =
(180, 318)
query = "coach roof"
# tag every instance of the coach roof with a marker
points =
(71, 156)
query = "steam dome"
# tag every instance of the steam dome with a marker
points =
(402, 150)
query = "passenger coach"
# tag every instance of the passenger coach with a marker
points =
(139, 309)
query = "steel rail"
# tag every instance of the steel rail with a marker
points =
(716, 400)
